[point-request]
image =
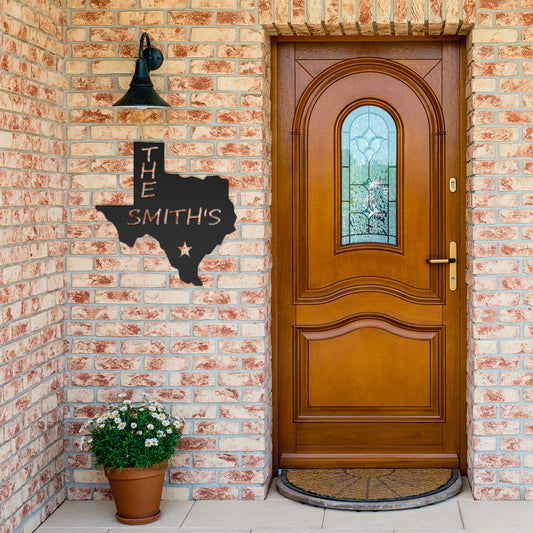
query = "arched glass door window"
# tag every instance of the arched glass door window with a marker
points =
(369, 195)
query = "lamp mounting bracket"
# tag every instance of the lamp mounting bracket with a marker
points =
(155, 61)
(153, 56)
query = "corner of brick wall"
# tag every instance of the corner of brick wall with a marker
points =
(32, 255)
(499, 233)
(133, 326)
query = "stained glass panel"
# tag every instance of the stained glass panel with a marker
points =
(368, 191)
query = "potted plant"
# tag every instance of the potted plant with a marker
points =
(133, 442)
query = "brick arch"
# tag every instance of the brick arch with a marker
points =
(366, 17)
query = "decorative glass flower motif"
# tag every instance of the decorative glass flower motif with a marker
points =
(369, 143)
(370, 212)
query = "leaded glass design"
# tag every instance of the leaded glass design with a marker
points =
(369, 148)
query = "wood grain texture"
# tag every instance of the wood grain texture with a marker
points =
(368, 352)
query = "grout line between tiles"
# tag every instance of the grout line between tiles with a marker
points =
(187, 514)
(460, 514)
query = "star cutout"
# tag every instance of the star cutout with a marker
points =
(184, 249)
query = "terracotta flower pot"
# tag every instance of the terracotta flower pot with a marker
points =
(137, 492)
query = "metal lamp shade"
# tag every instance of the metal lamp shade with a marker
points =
(141, 94)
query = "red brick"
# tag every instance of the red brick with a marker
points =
(84, 379)
(117, 363)
(191, 50)
(242, 476)
(494, 69)
(215, 493)
(190, 18)
(190, 346)
(496, 493)
(187, 477)
(188, 379)
(496, 460)
(218, 460)
(215, 330)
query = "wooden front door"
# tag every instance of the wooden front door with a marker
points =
(368, 190)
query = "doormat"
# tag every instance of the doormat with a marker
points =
(369, 489)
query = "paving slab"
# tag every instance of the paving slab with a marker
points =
(253, 514)
(351, 530)
(93, 516)
(507, 516)
(177, 529)
(443, 515)
(72, 529)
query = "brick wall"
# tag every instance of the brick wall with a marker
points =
(133, 326)
(32, 250)
(500, 196)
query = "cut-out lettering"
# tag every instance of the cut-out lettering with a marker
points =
(188, 216)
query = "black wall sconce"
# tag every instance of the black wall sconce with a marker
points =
(141, 93)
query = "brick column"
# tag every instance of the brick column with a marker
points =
(500, 195)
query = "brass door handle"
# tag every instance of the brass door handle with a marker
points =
(452, 261)
(440, 261)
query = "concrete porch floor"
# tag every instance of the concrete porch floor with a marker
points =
(460, 514)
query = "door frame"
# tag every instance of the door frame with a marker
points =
(277, 271)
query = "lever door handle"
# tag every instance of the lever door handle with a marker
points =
(452, 261)
(441, 261)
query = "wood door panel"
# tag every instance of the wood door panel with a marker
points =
(397, 459)
(368, 349)
(420, 57)
(346, 437)
(326, 268)
(368, 367)
(336, 51)
(366, 302)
